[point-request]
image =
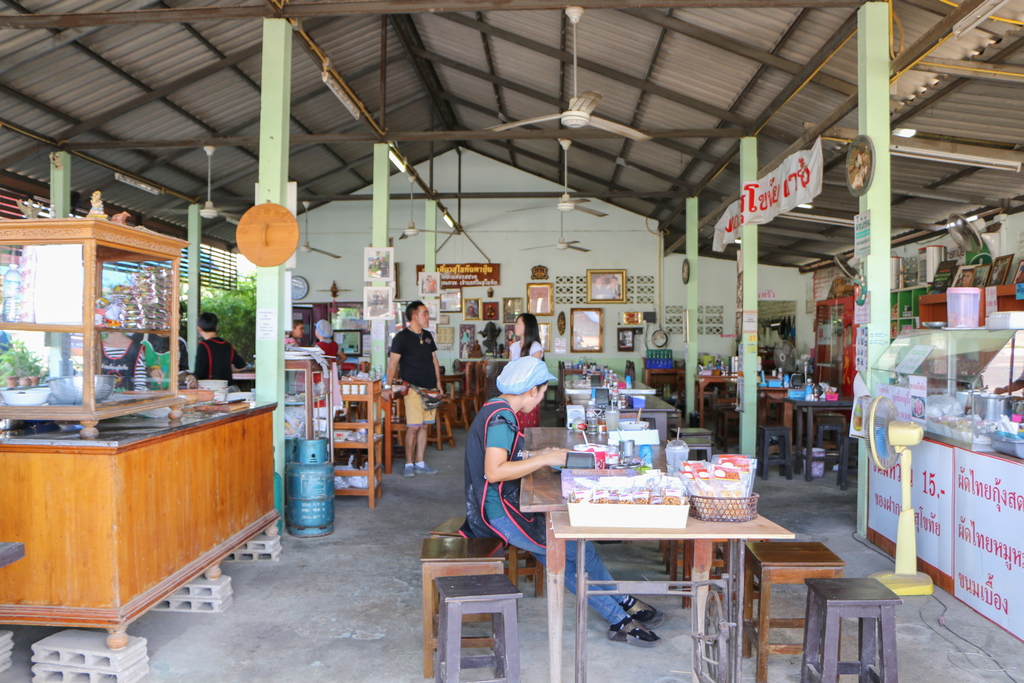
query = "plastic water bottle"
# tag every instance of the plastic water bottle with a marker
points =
(12, 294)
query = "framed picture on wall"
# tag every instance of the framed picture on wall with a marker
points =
(510, 335)
(467, 335)
(443, 319)
(964, 277)
(606, 286)
(433, 309)
(510, 309)
(632, 318)
(625, 338)
(491, 310)
(586, 330)
(1000, 270)
(350, 342)
(430, 284)
(981, 273)
(451, 300)
(379, 264)
(1019, 275)
(545, 335)
(471, 309)
(378, 303)
(540, 297)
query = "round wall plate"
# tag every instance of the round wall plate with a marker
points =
(267, 234)
(561, 322)
(860, 165)
(300, 287)
(686, 271)
(659, 338)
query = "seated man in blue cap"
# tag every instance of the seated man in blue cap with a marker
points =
(495, 464)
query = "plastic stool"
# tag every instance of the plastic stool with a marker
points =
(874, 605)
(764, 458)
(494, 595)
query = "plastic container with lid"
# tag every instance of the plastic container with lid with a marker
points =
(676, 452)
(963, 306)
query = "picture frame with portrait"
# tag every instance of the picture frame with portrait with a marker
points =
(429, 284)
(511, 308)
(433, 310)
(378, 303)
(379, 264)
(1000, 270)
(467, 335)
(510, 335)
(964, 277)
(545, 336)
(586, 330)
(626, 338)
(471, 309)
(1018, 277)
(491, 310)
(451, 300)
(981, 273)
(540, 298)
(606, 286)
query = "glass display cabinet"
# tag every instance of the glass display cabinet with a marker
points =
(89, 321)
(945, 380)
(307, 398)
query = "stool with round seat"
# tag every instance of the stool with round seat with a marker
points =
(775, 563)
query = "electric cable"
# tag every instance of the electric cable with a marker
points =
(959, 650)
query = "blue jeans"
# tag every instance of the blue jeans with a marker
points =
(606, 605)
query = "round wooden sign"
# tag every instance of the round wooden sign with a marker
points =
(267, 234)
(561, 322)
(860, 165)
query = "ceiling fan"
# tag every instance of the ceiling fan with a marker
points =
(578, 115)
(305, 248)
(561, 244)
(209, 211)
(412, 230)
(565, 202)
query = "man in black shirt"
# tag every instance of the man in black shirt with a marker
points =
(414, 357)
(214, 356)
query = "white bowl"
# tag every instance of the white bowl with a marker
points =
(26, 396)
(632, 425)
(213, 384)
(239, 396)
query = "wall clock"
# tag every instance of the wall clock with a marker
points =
(686, 271)
(659, 338)
(300, 288)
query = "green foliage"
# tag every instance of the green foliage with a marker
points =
(18, 361)
(236, 311)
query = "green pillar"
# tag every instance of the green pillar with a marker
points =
(692, 233)
(60, 184)
(381, 191)
(275, 96)
(195, 234)
(873, 121)
(747, 335)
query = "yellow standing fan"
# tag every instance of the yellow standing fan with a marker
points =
(888, 441)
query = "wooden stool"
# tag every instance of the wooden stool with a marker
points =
(494, 595)
(725, 417)
(441, 430)
(772, 564)
(874, 605)
(452, 557)
(531, 567)
(764, 458)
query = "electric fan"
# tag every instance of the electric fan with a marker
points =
(851, 271)
(963, 233)
(785, 356)
(888, 440)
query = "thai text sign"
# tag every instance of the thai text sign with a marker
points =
(797, 180)
(467, 274)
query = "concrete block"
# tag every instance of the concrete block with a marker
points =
(87, 650)
(262, 543)
(5, 662)
(179, 604)
(6, 637)
(56, 673)
(199, 587)
(5, 649)
(244, 555)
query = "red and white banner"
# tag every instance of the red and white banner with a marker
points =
(797, 180)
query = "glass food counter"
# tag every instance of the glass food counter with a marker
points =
(945, 380)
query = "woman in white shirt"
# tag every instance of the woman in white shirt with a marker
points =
(528, 333)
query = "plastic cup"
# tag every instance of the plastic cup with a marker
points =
(963, 305)
(611, 418)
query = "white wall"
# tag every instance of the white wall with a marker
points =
(619, 240)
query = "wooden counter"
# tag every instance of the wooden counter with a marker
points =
(114, 525)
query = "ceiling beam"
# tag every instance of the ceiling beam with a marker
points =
(409, 37)
(342, 7)
(602, 195)
(968, 68)
(736, 47)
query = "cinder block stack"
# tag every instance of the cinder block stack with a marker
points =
(262, 548)
(6, 646)
(77, 656)
(202, 595)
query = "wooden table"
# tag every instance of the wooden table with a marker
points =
(581, 389)
(701, 384)
(542, 492)
(806, 424)
(654, 408)
(673, 377)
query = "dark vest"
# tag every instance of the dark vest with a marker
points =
(477, 485)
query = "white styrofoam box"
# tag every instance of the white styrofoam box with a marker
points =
(628, 516)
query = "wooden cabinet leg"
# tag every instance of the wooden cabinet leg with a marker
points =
(213, 573)
(89, 431)
(272, 530)
(117, 637)
(175, 414)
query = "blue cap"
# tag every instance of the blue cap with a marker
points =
(523, 374)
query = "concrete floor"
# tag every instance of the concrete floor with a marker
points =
(347, 607)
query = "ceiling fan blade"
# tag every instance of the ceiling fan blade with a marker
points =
(592, 212)
(579, 200)
(525, 122)
(543, 246)
(530, 208)
(618, 129)
(569, 246)
(325, 253)
(586, 102)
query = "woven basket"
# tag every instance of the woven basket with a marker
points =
(724, 509)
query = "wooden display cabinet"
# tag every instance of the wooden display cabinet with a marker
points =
(307, 392)
(82, 288)
(366, 398)
(933, 306)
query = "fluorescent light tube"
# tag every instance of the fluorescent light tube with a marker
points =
(904, 132)
(137, 184)
(814, 218)
(448, 220)
(954, 158)
(396, 160)
(340, 93)
(805, 206)
(977, 16)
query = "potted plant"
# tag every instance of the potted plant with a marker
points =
(23, 366)
(7, 373)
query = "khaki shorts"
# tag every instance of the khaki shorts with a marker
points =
(415, 415)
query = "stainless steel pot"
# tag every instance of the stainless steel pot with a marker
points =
(990, 406)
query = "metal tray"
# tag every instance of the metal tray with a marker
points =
(1014, 447)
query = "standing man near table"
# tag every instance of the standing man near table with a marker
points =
(414, 356)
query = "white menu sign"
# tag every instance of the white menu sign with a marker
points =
(914, 358)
